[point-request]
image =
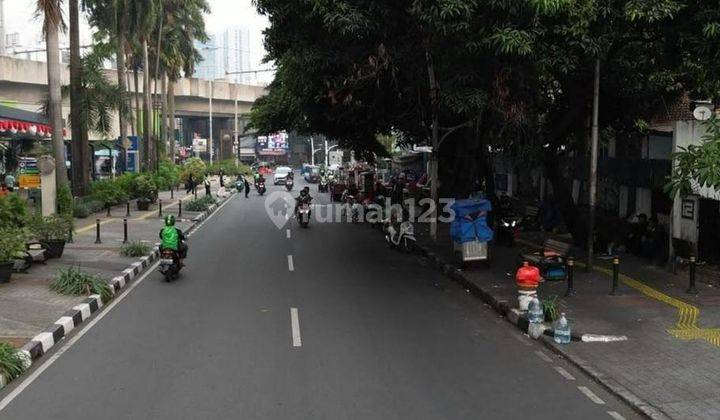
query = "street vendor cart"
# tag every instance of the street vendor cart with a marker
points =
(470, 232)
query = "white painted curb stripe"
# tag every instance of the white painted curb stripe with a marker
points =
(84, 309)
(67, 323)
(594, 398)
(46, 341)
(295, 324)
(98, 299)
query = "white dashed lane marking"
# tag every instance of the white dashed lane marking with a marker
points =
(543, 356)
(564, 373)
(291, 265)
(594, 398)
(287, 232)
(295, 325)
(616, 415)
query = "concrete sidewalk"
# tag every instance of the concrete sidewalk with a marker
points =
(27, 305)
(671, 360)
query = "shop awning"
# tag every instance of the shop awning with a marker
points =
(14, 122)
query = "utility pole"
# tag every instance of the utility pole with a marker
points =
(210, 140)
(593, 165)
(312, 151)
(235, 137)
(326, 153)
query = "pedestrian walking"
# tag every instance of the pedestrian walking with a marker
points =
(247, 187)
(10, 182)
(222, 178)
(207, 185)
(190, 185)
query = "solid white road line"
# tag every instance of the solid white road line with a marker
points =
(564, 373)
(49, 361)
(543, 356)
(287, 232)
(291, 266)
(295, 324)
(594, 398)
(616, 415)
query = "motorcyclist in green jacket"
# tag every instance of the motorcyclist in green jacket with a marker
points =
(173, 238)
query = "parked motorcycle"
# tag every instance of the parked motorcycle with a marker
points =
(401, 236)
(289, 182)
(507, 229)
(169, 264)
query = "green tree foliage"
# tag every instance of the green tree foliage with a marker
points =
(697, 165)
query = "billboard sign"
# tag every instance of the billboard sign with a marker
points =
(273, 144)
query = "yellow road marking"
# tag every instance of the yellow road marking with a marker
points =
(686, 327)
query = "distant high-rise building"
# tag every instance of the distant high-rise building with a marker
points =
(212, 66)
(236, 53)
(236, 49)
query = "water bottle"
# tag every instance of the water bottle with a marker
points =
(562, 330)
(535, 312)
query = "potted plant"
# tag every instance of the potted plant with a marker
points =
(12, 242)
(147, 192)
(52, 232)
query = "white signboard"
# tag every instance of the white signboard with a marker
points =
(200, 145)
(335, 157)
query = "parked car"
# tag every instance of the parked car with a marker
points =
(281, 172)
(312, 174)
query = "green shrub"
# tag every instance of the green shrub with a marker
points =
(168, 175)
(194, 166)
(549, 307)
(201, 204)
(135, 249)
(92, 204)
(12, 242)
(126, 182)
(13, 211)
(49, 228)
(146, 187)
(81, 211)
(72, 281)
(12, 362)
(64, 201)
(108, 192)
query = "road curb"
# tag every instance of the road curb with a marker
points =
(39, 345)
(520, 320)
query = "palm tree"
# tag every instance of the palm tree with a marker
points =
(80, 141)
(51, 11)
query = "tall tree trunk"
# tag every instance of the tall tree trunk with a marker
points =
(147, 109)
(164, 119)
(171, 117)
(433, 175)
(55, 111)
(121, 86)
(131, 112)
(79, 169)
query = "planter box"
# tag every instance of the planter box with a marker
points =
(6, 269)
(54, 248)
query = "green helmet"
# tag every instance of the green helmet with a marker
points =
(170, 220)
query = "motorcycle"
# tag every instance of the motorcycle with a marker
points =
(507, 229)
(402, 236)
(260, 187)
(169, 264)
(304, 214)
(289, 184)
(323, 185)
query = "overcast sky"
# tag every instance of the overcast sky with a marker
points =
(19, 17)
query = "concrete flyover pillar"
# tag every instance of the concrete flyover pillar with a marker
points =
(46, 164)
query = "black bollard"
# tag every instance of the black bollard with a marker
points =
(570, 267)
(70, 235)
(108, 212)
(171, 192)
(616, 274)
(160, 207)
(691, 269)
(179, 209)
(195, 193)
(127, 209)
(125, 238)
(97, 231)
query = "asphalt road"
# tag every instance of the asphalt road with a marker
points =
(292, 323)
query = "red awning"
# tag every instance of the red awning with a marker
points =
(13, 127)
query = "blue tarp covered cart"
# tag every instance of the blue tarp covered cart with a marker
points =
(469, 230)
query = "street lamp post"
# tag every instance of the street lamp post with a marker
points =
(210, 140)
